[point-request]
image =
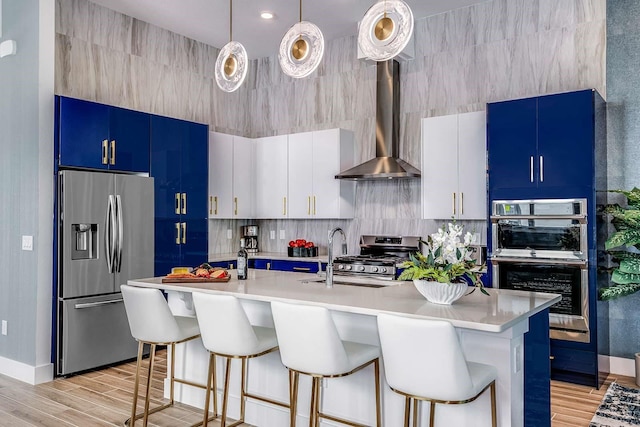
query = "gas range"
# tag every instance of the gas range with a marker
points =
(379, 257)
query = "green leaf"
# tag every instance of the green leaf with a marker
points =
(622, 278)
(630, 265)
(617, 291)
(633, 195)
(627, 237)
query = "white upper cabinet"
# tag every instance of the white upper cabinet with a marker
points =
(315, 158)
(231, 176)
(271, 177)
(454, 166)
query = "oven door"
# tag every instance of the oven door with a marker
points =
(568, 318)
(539, 228)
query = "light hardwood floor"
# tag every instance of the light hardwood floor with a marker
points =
(103, 398)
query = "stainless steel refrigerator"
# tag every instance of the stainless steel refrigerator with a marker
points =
(105, 237)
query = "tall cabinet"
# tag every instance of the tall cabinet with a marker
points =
(179, 166)
(548, 147)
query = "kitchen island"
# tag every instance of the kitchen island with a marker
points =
(491, 330)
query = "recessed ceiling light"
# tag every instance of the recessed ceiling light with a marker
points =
(266, 15)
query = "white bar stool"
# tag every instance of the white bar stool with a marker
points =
(227, 332)
(151, 322)
(408, 345)
(310, 345)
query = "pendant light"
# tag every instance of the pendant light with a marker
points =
(231, 64)
(385, 29)
(301, 49)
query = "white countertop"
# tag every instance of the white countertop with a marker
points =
(495, 313)
(267, 255)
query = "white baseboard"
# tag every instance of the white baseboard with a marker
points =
(618, 365)
(26, 373)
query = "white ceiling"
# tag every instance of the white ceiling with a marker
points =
(208, 20)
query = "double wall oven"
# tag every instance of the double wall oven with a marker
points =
(541, 246)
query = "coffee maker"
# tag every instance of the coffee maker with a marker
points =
(250, 236)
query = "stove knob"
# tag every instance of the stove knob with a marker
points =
(361, 268)
(348, 267)
(384, 269)
(374, 269)
(340, 266)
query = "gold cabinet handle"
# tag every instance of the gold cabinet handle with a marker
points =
(184, 233)
(177, 203)
(314, 205)
(541, 168)
(461, 203)
(113, 152)
(210, 205)
(105, 152)
(184, 204)
(552, 357)
(309, 205)
(454, 203)
(215, 200)
(235, 201)
(531, 168)
(268, 266)
(302, 268)
(177, 233)
(284, 206)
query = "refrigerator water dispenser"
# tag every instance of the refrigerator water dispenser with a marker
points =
(86, 239)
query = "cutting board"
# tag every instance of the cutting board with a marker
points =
(194, 279)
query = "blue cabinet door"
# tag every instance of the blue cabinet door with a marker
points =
(511, 143)
(167, 248)
(194, 176)
(565, 140)
(166, 133)
(194, 247)
(129, 135)
(83, 133)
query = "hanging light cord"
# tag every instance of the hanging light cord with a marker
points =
(230, 20)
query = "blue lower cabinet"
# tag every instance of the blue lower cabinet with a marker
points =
(537, 372)
(260, 263)
(230, 264)
(297, 266)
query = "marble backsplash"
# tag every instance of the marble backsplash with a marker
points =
(494, 50)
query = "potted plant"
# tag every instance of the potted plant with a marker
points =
(624, 247)
(444, 269)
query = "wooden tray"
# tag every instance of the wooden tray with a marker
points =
(194, 279)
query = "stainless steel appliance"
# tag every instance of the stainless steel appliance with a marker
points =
(541, 245)
(105, 237)
(250, 235)
(379, 257)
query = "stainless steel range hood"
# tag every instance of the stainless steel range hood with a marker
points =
(386, 164)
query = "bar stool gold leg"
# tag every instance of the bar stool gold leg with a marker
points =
(318, 400)
(293, 402)
(407, 409)
(152, 354)
(172, 373)
(376, 371)
(432, 414)
(416, 406)
(494, 421)
(242, 388)
(210, 378)
(136, 385)
(223, 421)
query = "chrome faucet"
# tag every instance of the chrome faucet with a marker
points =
(330, 254)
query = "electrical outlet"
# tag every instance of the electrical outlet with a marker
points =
(517, 356)
(4, 327)
(27, 243)
(229, 234)
(272, 234)
(282, 236)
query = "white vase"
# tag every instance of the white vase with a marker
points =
(440, 293)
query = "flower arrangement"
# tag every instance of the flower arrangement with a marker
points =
(446, 259)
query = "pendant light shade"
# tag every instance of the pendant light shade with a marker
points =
(231, 64)
(301, 49)
(385, 29)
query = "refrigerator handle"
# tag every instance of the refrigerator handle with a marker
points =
(120, 233)
(109, 234)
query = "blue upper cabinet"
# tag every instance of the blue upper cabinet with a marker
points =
(511, 139)
(179, 166)
(541, 147)
(98, 136)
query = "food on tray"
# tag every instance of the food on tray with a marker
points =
(181, 275)
(301, 243)
(180, 270)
